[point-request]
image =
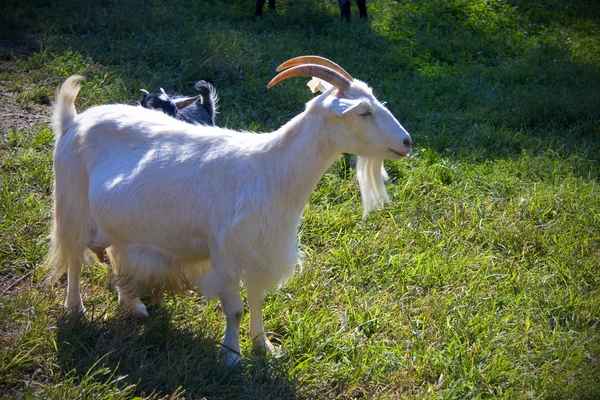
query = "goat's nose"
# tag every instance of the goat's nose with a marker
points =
(407, 142)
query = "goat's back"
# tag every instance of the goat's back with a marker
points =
(157, 180)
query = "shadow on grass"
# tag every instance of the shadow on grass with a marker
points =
(162, 359)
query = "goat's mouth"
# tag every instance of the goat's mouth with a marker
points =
(398, 154)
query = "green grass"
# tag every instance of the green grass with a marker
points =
(479, 280)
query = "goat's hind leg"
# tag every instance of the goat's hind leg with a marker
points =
(73, 302)
(66, 254)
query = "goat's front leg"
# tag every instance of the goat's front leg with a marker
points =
(256, 296)
(131, 304)
(126, 287)
(233, 308)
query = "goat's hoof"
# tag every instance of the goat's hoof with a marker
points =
(230, 358)
(263, 345)
(75, 309)
(268, 347)
(139, 312)
(136, 309)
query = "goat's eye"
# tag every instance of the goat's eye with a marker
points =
(366, 114)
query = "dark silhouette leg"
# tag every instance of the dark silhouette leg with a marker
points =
(345, 10)
(259, 9)
(362, 8)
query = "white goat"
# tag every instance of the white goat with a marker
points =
(203, 207)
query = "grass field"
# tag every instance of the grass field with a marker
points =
(479, 280)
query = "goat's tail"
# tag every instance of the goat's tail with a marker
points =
(209, 98)
(72, 226)
(64, 105)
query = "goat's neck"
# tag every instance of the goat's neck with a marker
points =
(301, 152)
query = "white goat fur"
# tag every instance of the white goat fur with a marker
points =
(203, 207)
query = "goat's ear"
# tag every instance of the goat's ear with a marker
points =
(341, 106)
(186, 101)
(318, 85)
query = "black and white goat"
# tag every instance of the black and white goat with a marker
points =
(190, 206)
(200, 109)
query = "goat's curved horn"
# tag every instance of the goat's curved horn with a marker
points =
(317, 61)
(329, 75)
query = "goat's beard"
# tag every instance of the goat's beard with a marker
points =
(371, 180)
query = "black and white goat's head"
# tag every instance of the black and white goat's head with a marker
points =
(163, 102)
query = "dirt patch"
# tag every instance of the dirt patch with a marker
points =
(11, 284)
(15, 115)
